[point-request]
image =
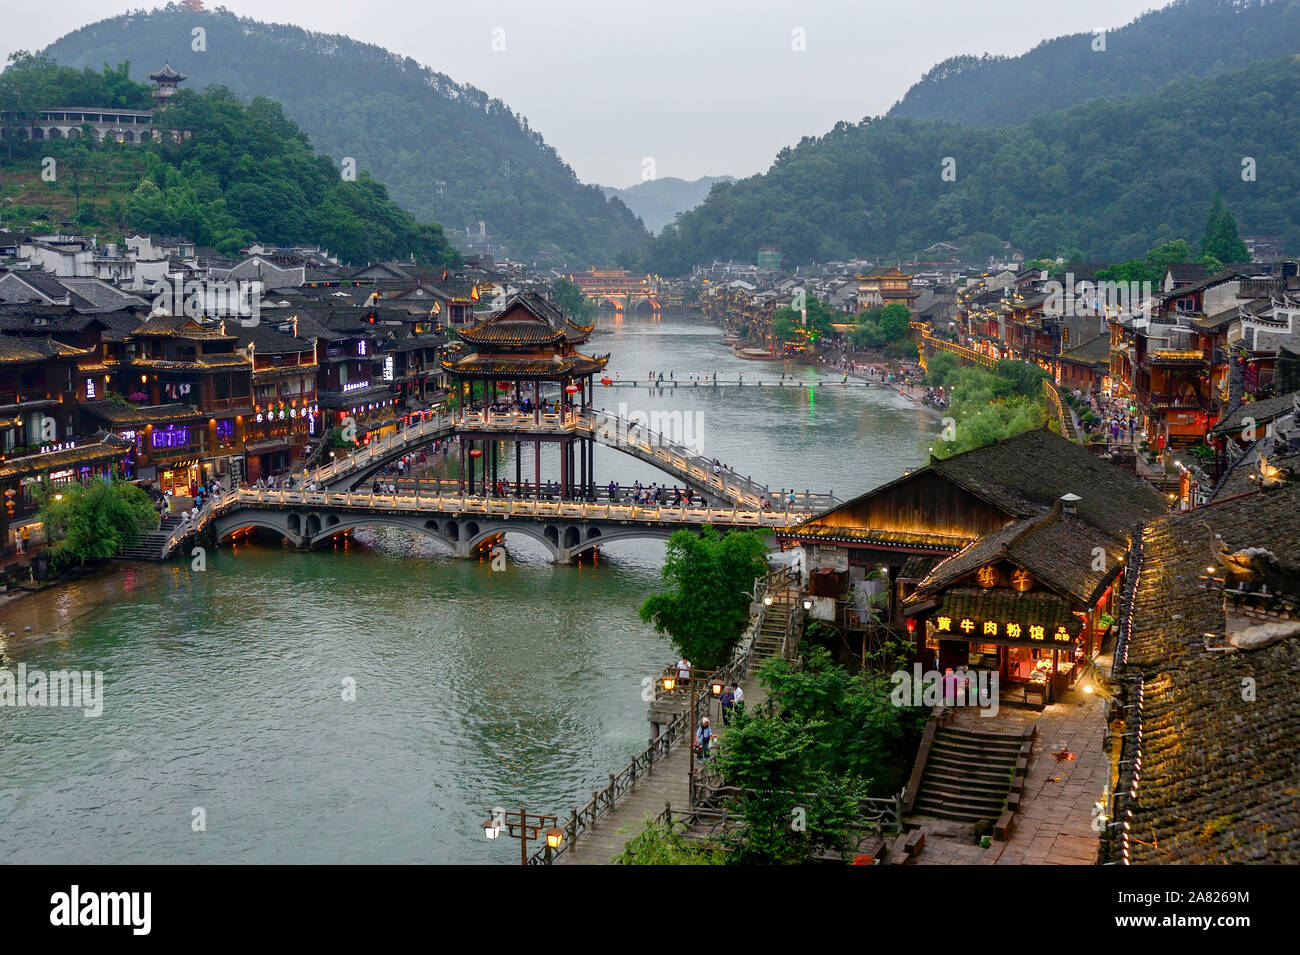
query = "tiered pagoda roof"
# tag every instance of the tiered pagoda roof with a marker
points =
(526, 320)
(529, 338)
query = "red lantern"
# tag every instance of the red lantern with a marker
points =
(503, 385)
(606, 382)
(475, 453)
(911, 625)
(572, 389)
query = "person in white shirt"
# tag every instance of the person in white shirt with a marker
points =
(737, 694)
(683, 670)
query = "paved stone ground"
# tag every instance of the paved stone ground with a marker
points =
(1054, 824)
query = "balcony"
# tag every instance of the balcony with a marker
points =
(1167, 402)
(1180, 357)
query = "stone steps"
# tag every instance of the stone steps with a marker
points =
(967, 775)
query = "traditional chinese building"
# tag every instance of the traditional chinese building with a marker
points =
(1003, 534)
(525, 362)
(286, 414)
(884, 286)
(174, 369)
(1026, 601)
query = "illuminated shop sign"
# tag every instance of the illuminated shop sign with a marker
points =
(1006, 630)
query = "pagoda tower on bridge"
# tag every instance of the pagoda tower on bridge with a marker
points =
(525, 370)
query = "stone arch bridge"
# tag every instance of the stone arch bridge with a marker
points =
(468, 525)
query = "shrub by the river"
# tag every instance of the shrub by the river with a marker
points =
(94, 521)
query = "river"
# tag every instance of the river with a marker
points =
(227, 735)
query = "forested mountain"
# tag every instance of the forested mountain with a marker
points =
(1105, 180)
(1187, 39)
(658, 201)
(448, 152)
(222, 174)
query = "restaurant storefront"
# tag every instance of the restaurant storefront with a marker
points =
(1036, 645)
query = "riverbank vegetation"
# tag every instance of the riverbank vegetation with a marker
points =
(93, 521)
(986, 405)
(706, 609)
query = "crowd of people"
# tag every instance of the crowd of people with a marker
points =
(1109, 417)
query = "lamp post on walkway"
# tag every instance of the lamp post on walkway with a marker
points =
(523, 825)
(715, 690)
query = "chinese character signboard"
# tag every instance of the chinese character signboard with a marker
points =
(1001, 631)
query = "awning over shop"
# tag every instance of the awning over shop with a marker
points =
(41, 464)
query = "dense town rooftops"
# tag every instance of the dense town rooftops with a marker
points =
(267, 340)
(1027, 473)
(1218, 781)
(84, 456)
(180, 326)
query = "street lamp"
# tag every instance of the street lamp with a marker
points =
(524, 826)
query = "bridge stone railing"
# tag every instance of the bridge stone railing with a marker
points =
(503, 507)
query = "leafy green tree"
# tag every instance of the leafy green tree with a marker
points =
(1221, 240)
(832, 739)
(569, 297)
(867, 334)
(711, 577)
(93, 521)
(1025, 377)
(820, 316)
(895, 321)
(990, 405)
(775, 761)
(940, 367)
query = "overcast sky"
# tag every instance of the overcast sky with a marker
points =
(704, 87)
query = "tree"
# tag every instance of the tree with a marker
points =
(1221, 240)
(569, 297)
(93, 521)
(707, 609)
(895, 322)
(833, 739)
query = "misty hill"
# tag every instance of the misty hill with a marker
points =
(1187, 39)
(411, 127)
(658, 201)
(1106, 180)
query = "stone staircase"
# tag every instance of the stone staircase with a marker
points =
(771, 638)
(968, 775)
(152, 546)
